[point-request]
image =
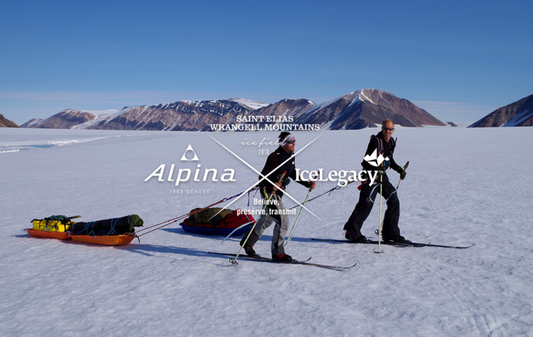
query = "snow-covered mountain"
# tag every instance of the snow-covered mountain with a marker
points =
(31, 123)
(356, 110)
(287, 109)
(519, 113)
(178, 116)
(66, 119)
(366, 108)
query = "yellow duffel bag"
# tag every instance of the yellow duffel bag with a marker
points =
(55, 223)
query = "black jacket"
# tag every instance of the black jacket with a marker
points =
(386, 149)
(274, 160)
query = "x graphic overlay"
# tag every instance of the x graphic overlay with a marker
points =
(264, 177)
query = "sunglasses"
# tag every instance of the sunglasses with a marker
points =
(388, 129)
(291, 142)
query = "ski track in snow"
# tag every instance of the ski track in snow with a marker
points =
(461, 187)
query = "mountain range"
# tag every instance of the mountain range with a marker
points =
(355, 110)
(519, 113)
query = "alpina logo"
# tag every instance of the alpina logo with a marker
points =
(184, 174)
(189, 149)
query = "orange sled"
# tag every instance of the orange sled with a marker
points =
(50, 235)
(109, 240)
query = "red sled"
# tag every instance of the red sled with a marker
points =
(239, 222)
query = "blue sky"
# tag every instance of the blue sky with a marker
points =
(459, 60)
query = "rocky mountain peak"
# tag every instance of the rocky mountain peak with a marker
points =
(519, 113)
(366, 108)
(65, 119)
(6, 123)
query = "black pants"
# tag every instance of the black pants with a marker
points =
(364, 206)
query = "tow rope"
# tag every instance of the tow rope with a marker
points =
(160, 225)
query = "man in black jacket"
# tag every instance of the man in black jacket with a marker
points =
(275, 210)
(378, 158)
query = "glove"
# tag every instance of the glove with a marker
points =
(402, 173)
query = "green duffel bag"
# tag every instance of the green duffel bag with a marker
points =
(206, 216)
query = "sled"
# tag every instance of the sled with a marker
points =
(47, 234)
(109, 232)
(226, 226)
(207, 229)
(107, 240)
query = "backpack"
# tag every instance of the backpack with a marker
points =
(380, 144)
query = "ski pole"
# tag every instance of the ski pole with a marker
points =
(399, 181)
(328, 191)
(404, 168)
(234, 260)
(297, 221)
(380, 222)
(336, 188)
(236, 229)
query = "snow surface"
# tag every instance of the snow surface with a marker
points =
(460, 188)
(249, 103)
(98, 119)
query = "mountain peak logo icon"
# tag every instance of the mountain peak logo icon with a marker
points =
(374, 159)
(189, 149)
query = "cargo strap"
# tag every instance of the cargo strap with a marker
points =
(89, 228)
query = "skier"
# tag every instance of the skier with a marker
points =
(275, 210)
(380, 147)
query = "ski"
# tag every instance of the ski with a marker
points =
(306, 262)
(447, 246)
(397, 244)
(372, 242)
